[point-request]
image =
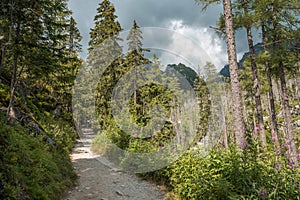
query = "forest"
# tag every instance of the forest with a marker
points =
(232, 133)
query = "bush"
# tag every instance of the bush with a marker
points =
(230, 174)
(61, 131)
(103, 146)
(233, 174)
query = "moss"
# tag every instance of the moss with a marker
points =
(4, 94)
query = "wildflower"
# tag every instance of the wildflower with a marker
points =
(287, 153)
(263, 192)
(243, 145)
(292, 165)
(277, 151)
(277, 166)
(282, 147)
(174, 150)
(287, 141)
(135, 134)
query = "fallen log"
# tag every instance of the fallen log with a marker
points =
(32, 125)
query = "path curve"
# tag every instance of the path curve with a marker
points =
(99, 179)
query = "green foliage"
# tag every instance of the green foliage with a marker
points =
(223, 173)
(103, 145)
(135, 38)
(230, 174)
(61, 131)
(31, 169)
(206, 3)
(39, 46)
(106, 25)
(105, 34)
(4, 93)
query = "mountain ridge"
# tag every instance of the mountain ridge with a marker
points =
(258, 48)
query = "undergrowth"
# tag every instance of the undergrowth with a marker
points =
(230, 174)
(31, 168)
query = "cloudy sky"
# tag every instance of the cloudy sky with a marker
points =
(183, 20)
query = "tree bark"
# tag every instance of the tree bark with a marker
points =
(259, 112)
(290, 140)
(239, 126)
(10, 117)
(225, 134)
(274, 124)
(1, 57)
(256, 89)
(287, 115)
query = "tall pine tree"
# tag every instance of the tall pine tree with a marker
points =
(239, 126)
(135, 56)
(33, 47)
(105, 32)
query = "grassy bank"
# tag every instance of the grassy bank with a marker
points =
(31, 168)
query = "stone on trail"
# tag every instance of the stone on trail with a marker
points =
(119, 193)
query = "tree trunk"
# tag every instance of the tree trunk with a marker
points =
(287, 115)
(225, 134)
(224, 111)
(135, 86)
(10, 117)
(290, 140)
(1, 57)
(274, 125)
(239, 126)
(261, 127)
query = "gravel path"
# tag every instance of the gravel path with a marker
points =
(101, 180)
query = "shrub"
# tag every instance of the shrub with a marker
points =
(233, 174)
(61, 131)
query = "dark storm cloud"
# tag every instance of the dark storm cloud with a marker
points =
(157, 13)
(148, 13)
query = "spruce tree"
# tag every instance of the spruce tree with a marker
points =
(234, 77)
(105, 32)
(203, 98)
(239, 126)
(135, 57)
(106, 24)
(35, 37)
(64, 78)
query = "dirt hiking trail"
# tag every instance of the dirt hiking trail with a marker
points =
(99, 179)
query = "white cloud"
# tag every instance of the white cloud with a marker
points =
(147, 14)
(202, 45)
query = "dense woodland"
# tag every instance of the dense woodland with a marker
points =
(38, 63)
(254, 154)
